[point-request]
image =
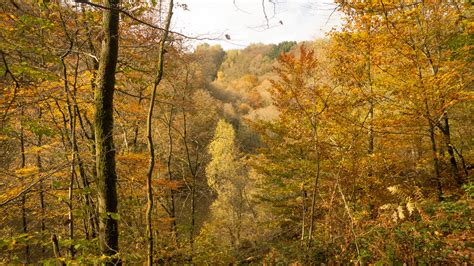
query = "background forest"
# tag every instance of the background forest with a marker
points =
(356, 148)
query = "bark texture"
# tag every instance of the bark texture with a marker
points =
(105, 151)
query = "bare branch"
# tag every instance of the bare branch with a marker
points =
(126, 13)
(265, 14)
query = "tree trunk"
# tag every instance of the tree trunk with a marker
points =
(170, 178)
(303, 212)
(24, 220)
(72, 141)
(370, 149)
(91, 211)
(434, 149)
(137, 125)
(149, 133)
(91, 224)
(449, 146)
(370, 133)
(315, 184)
(435, 160)
(193, 171)
(56, 249)
(39, 164)
(193, 214)
(103, 124)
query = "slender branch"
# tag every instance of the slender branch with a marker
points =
(126, 13)
(15, 89)
(265, 14)
(30, 186)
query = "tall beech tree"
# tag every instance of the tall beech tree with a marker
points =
(104, 125)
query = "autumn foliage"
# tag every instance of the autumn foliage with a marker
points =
(353, 149)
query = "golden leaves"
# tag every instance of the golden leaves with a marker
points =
(27, 171)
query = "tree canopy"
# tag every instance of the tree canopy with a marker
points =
(125, 141)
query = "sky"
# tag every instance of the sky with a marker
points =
(245, 23)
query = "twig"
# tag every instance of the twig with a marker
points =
(140, 20)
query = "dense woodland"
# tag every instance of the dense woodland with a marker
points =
(121, 142)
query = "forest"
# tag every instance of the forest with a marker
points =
(124, 142)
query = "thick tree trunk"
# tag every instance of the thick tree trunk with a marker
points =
(103, 123)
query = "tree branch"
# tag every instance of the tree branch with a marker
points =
(29, 187)
(140, 20)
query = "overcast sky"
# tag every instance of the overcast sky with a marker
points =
(244, 22)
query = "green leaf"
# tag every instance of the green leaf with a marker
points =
(56, 184)
(114, 215)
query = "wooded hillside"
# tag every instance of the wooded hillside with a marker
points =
(119, 143)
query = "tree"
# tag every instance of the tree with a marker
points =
(103, 124)
(151, 148)
(231, 211)
(336, 153)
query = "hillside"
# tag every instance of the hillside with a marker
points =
(124, 141)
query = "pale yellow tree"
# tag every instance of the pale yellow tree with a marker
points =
(231, 212)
